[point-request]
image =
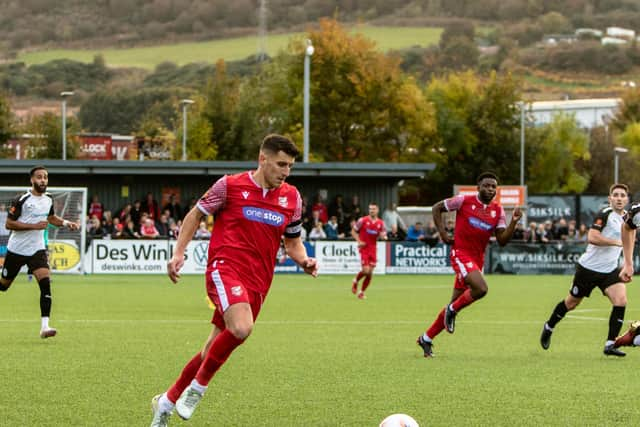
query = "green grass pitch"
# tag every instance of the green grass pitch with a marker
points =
(317, 357)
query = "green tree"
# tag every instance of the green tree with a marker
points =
(560, 145)
(477, 130)
(220, 109)
(629, 111)
(200, 145)
(6, 121)
(363, 108)
(630, 139)
(47, 137)
(122, 111)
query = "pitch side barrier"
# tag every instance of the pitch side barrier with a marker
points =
(341, 257)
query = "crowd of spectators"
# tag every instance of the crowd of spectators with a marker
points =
(559, 230)
(146, 219)
(138, 220)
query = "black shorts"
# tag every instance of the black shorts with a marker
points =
(14, 262)
(585, 280)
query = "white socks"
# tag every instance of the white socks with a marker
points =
(198, 387)
(164, 404)
(636, 340)
(426, 338)
(44, 323)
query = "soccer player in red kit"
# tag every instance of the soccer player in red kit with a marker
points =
(478, 217)
(253, 210)
(366, 232)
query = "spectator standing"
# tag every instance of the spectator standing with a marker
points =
(162, 225)
(337, 209)
(583, 234)
(174, 208)
(95, 208)
(393, 221)
(150, 207)
(321, 208)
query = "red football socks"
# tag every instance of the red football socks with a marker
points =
(183, 381)
(462, 301)
(437, 326)
(221, 348)
(365, 283)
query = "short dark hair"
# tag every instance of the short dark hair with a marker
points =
(484, 175)
(35, 169)
(274, 143)
(624, 187)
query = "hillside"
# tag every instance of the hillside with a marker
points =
(232, 49)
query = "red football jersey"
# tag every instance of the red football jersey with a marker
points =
(368, 230)
(475, 224)
(249, 224)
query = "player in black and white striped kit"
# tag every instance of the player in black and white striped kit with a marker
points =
(599, 267)
(29, 215)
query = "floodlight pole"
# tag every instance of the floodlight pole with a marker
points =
(64, 96)
(185, 103)
(616, 160)
(522, 104)
(305, 125)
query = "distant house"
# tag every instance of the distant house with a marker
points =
(621, 33)
(612, 40)
(554, 39)
(588, 33)
(589, 113)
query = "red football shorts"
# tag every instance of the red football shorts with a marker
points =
(463, 264)
(368, 257)
(225, 288)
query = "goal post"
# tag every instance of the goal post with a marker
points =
(67, 248)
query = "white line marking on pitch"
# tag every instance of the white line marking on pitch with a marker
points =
(304, 322)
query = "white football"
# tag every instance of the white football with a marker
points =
(399, 420)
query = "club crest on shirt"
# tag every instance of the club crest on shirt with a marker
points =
(245, 194)
(493, 214)
(282, 201)
(473, 207)
(236, 290)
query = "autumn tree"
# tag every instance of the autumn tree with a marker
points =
(477, 130)
(363, 108)
(220, 110)
(5, 120)
(200, 145)
(47, 137)
(557, 148)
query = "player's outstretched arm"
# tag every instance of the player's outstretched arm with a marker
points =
(298, 253)
(59, 222)
(628, 237)
(188, 229)
(503, 235)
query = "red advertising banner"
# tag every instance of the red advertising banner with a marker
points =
(508, 195)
